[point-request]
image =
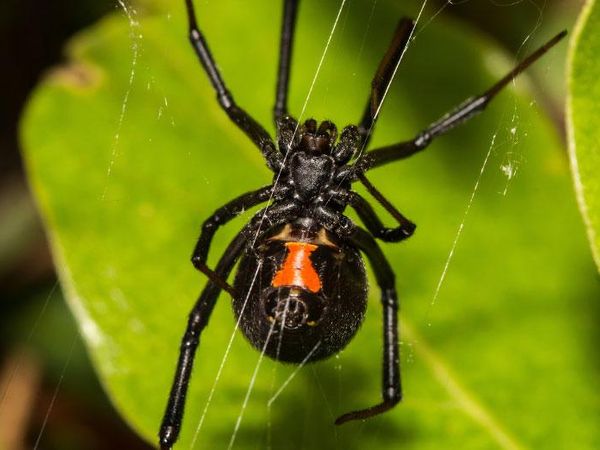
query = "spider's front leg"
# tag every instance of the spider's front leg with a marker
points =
(371, 220)
(457, 116)
(384, 75)
(219, 218)
(373, 223)
(244, 121)
(290, 10)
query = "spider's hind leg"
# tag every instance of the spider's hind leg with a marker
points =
(198, 318)
(391, 389)
(197, 321)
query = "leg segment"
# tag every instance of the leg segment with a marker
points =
(198, 319)
(406, 225)
(374, 224)
(383, 76)
(241, 118)
(290, 9)
(462, 113)
(219, 218)
(391, 387)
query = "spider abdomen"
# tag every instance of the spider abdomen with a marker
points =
(300, 295)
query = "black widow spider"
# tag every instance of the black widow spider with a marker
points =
(302, 278)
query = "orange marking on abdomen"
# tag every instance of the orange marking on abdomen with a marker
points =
(297, 268)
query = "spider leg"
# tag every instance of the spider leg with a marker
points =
(200, 314)
(383, 76)
(391, 387)
(290, 9)
(375, 226)
(457, 116)
(241, 118)
(219, 218)
(198, 319)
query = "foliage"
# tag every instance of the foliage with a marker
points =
(127, 152)
(584, 110)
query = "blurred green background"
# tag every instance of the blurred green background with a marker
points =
(50, 395)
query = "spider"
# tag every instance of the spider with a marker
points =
(302, 278)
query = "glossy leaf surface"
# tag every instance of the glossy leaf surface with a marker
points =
(583, 113)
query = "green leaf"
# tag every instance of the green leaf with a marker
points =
(582, 119)
(127, 153)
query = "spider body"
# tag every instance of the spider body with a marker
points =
(304, 289)
(300, 289)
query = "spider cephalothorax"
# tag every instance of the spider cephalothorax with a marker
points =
(300, 289)
(313, 160)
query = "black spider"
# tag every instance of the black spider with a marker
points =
(302, 277)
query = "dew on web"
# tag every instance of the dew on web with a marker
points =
(163, 108)
(407, 350)
(338, 370)
(509, 167)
